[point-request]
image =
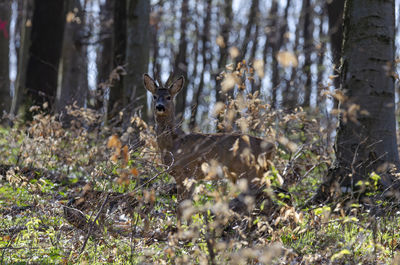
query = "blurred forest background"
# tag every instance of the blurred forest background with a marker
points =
(94, 53)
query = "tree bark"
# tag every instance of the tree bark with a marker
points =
(223, 50)
(74, 69)
(5, 98)
(104, 57)
(116, 98)
(181, 63)
(23, 53)
(335, 18)
(366, 137)
(204, 51)
(137, 56)
(308, 29)
(252, 18)
(44, 53)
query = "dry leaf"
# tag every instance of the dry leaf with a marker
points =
(220, 41)
(114, 142)
(229, 82)
(70, 17)
(234, 52)
(135, 172)
(287, 59)
(218, 108)
(246, 138)
(235, 147)
(125, 154)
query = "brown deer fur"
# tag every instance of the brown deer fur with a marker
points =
(238, 155)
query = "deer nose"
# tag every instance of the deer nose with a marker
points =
(160, 107)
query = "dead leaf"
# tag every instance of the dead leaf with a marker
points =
(234, 52)
(287, 59)
(220, 41)
(235, 147)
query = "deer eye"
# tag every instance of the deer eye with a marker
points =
(168, 97)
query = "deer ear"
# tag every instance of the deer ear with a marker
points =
(149, 84)
(176, 87)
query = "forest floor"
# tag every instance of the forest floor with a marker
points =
(92, 194)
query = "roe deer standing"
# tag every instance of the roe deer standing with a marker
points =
(237, 154)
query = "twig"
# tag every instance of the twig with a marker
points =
(209, 241)
(92, 224)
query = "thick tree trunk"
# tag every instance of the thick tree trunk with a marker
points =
(366, 137)
(5, 98)
(137, 56)
(73, 88)
(44, 53)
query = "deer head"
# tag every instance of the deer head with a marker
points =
(163, 97)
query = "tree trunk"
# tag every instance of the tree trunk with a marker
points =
(223, 49)
(155, 25)
(44, 53)
(73, 88)
(23, 53)
(272, 43)
(137, 56)
(308, 29)
(116, 98)
(366, 137)
(252, 18)
(321, 56)
(104, 57)
(291, 95)
(335, 16)
(204, 40)
(5, 98)
(181, 63)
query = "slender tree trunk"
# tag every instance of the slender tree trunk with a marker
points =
(204, 51)
(116, 98)
(271, 24)
(252, 18)
(181, 63)
(335, 16)
(44, 53)
(308, 29)
(5, 16)
(366, 137)
(291, 93)
(254, 48)
(137, 56)
(23, 54)
(321, 56)
(73, 88)
(155, 25)
(223, 49)
(105, 56)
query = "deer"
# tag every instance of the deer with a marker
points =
(188, 153)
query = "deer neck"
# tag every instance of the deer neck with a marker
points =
(166, 133)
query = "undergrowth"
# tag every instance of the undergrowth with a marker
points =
(92, 194)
